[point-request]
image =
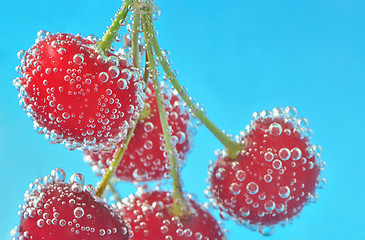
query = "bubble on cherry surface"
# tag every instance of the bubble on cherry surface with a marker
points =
(103, 77)
(269, 156)
(277, 164)
(79, 212)
(78, 59)
(284, 154)
(220, 174)
(284, 192)
(240, 175)
(252, 188)
(113, 72)
(235, 188)
(275, 129)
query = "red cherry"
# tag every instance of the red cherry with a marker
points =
(148, 218)
(145, 158)
(57, 210)
(275, 175)
(76, 95)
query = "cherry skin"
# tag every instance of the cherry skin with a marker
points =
(274, 176)
(57, 210)
(145, 158)
(148, 217)
(77, 95)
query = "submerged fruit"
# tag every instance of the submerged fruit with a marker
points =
(274, 177)
(148, 218)
(77, 95)
(57, 210)
(145, 158)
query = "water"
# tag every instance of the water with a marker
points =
(236, 59)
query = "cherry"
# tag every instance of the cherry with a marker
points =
(57, 210)
(145, 158)
(77, 95)
(275, 175)
(148, 217)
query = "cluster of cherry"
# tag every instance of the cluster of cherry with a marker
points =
(82, 93)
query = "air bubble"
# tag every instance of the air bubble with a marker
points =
(267, 178)
(266, 115)
(101, 59)
(113, 72)
(148, 145)
(181, 136)
(252, 188)
(164, 229)
(78, 59)
(269, 156)
(58, 174)
(61, 51)
(220, 174)
(90, 188)
(284, 192)
(122, 84)
(240, 175)
(62, 222)
(284, 154)
(48, 70)
(303, 123)
(42, 34)
(78, 179)
(309, 152)
(291, 111)
(269, 205)
(275, 129)
(21, 54)
(235, 188)
(140, 174)
(244, 211)
(276, 164)
(148, 127)
(79, 212)
(266, 230)
(321, 183)
(296, 154)
(41, 223)
(55, 43)
(65, 115)
(280, 208)
(103, 77)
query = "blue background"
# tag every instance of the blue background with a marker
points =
(236, 57)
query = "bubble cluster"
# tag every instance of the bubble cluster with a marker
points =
(275, 175)
(75, 94)
(148, 217)
(57, 210)
(145, 159)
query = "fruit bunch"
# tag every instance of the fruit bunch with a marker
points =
(110, 104)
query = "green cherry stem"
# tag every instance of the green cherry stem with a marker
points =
(179, 207)
(113, 29)
(135, 45)
(118, 157)
(233, 148)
